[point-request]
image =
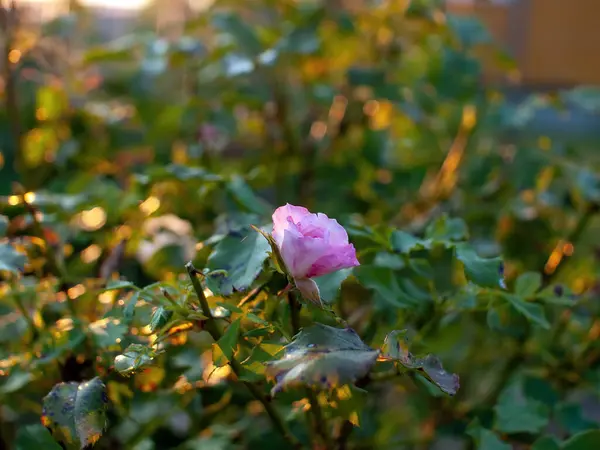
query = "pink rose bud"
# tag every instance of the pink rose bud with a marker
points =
(311, 245)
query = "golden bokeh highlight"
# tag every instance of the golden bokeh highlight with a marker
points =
(76, 291)
(92, 219)
(91, 254)
(150, 205)
(14, 56)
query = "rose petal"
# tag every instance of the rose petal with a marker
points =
(311, 244)
(299, 253)
(282, 217)
(319, 225)
(338, 258)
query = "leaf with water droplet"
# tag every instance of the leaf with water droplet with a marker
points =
(395, 348)
(133, 359)
(75, 413)
(322, 356)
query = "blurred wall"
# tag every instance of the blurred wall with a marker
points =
(555, 42)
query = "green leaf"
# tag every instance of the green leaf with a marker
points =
(10, 259)
(241, 257)
(105, 54)
(330, 284)
(350, 403)
(242, 33)
(76, 413)
(486, 439)
(485, 272)
(447, 229)
(229, 307)
(246, 196)
(225, 347)
(114, 285)
(323, 357)
(546, 443)
(129, 308)
(134, 358)
(403, 242)
(395, 347)
(533, 311)
(160, 317)
(586, 440)
(107, 332)
(515, 413)
(15, 381)
(3, 225)
(528, 284)
(179, 172)
(384, 282)
(359, 76)
(35, 437)
(571, 418)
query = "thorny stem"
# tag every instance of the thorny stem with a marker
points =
(211, 327)
(319, 422)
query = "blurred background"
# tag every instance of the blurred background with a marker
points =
(138, 129)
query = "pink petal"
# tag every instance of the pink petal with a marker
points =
(282, 218)
(319, 225)
(336, 259)
(299, 253)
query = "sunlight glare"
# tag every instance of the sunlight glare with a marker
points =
(109, 4)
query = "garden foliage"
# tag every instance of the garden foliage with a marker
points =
(153, 296)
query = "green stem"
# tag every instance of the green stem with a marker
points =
(211, 327)
(319, 422)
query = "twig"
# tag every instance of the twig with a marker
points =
(319, 422)
(211, 327)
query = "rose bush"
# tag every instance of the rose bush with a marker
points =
(471, 321)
